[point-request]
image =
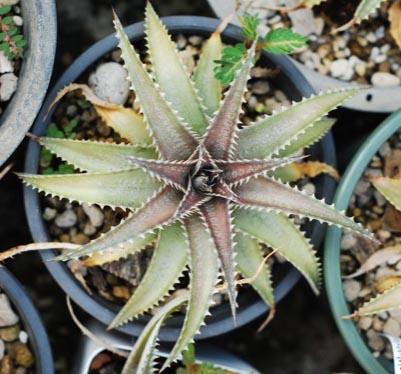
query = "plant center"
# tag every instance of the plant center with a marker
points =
(204, 179)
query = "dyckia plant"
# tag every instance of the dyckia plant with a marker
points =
(199, 187)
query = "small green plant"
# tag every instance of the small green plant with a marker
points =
(47, 158)
(201, 190)
(279, 41)
(12, 42)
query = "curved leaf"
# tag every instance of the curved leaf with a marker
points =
(390, 188)
(141, 357)
(204, 266)
(171, 75)
(278, 131)
(159, 210)
(172, 138)
(278, 232)
(249, 258)
(272, 195)
(96, 156)
(209, 88)
(124, 189)
(168, 262)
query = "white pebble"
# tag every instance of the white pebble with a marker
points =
(348, 241)
(392, 327)
(351, 289)
(2, 349)
(382, 79)
(341, 69)
(66, 219)
(110, 83)
(5, 64)
(18, 20)
(23, 337)
(8, 85)
(7, 315)
(95, 215)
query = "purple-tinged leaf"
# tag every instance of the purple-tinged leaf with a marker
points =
(217, 217)
(238, 171)
(220, 136)
(272, 195)
(171, 172)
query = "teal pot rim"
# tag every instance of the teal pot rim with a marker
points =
(332, 272)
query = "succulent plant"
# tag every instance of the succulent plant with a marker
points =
(199, 187)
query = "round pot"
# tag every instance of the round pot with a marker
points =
(40, 31)
(250, 306)
(332, 251)
(380, 100)
(88, 350)
(30, 320)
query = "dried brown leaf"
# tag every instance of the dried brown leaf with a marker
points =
(394, 16)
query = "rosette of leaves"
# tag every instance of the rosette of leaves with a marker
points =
(200, 188)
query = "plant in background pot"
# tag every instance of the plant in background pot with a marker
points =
(200, 188)
(24, 346)
(362, 280)
(368, 52)
(111, 355)
(27, 48)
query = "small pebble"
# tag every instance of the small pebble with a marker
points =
(95, 215)
(7, 315)
(2, 349)
(10, 333)
(351, 289)
(365, 322)
(18, 20)
(260, 87)
(66, 219)
(348, 241)
(49, 214)
(5, 64)
(392, 327)
(382, 79)
(23, 337)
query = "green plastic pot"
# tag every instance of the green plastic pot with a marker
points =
(332, 274)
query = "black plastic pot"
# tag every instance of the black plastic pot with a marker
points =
(30, 320)
(250, 306)
(40, 31)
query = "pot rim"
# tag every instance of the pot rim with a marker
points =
(220, 323)
(373, 99)
(40, 30)
(30, 319)
(332, 250)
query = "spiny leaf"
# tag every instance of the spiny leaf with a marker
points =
(142, 354)
(311, 169)
(168, 261)
(389, 300)
(309, 137)
(249, 257)
(390, 188)
(172, 138)
(125, 188)
(220, 136)
(209, 88)
(96, 156)
(204, 275)
(217, 217)
(283, 41)
(156, 212)
(276, 132)
(231, 59)
(312, 3)
(278, 232)
(272, 195)
(171, 75)
(366, 8)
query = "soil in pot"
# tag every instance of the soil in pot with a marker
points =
(371, 209)
(365, 53)
(15, 353)
(12, 45)
(74, 117)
